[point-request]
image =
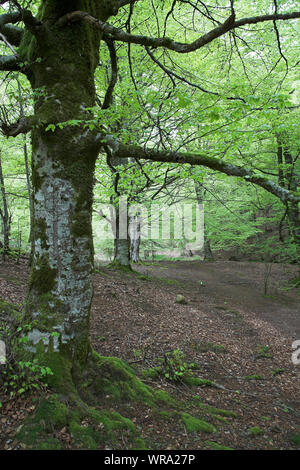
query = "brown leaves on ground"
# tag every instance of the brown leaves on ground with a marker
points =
(239, 339)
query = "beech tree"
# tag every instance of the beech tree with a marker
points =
(56, 45)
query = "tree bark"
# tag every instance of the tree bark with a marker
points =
(207, 253)
(5, 216)
(135, 238)
(121, 240)
(121, 235)
(30, 197)
(292, 208)
(60, 292)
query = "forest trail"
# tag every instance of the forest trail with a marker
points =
(239, 285)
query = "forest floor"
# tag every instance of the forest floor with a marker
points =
(238, 337)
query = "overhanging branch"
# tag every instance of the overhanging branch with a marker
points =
(134, 151)
(120, 35)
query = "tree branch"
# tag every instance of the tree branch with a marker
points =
(9, 63)
(114, 73)
(35, 26)
(120, 35)
(22, 126)
(13, 34)
(124, 3)
(134, 151)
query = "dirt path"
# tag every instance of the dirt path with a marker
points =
(241, 286)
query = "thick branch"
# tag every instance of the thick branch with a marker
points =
(9, 63)
(123, 3)
(33, 25)
(120, 35)
(133, 151)
(13, 34)
(23, 126)
(114, 74)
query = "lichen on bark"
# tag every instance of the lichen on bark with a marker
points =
(60, 66)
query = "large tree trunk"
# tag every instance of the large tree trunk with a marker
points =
(63, 160)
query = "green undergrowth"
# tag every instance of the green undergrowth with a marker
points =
(174, 367)
(206, 346)
(255, 431)
(12, 280)
(157, 372)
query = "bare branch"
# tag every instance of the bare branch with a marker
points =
(8, 44)
(171, 74)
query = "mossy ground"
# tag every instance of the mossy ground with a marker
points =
(99, 411)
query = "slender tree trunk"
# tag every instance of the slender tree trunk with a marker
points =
(292, 208)
(63, 161)
(5, 216)
(281, 181)
(121, 240)
(135, 238)
(207, 253)
(30, 197)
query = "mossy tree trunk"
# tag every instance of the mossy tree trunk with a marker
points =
(62, 66)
